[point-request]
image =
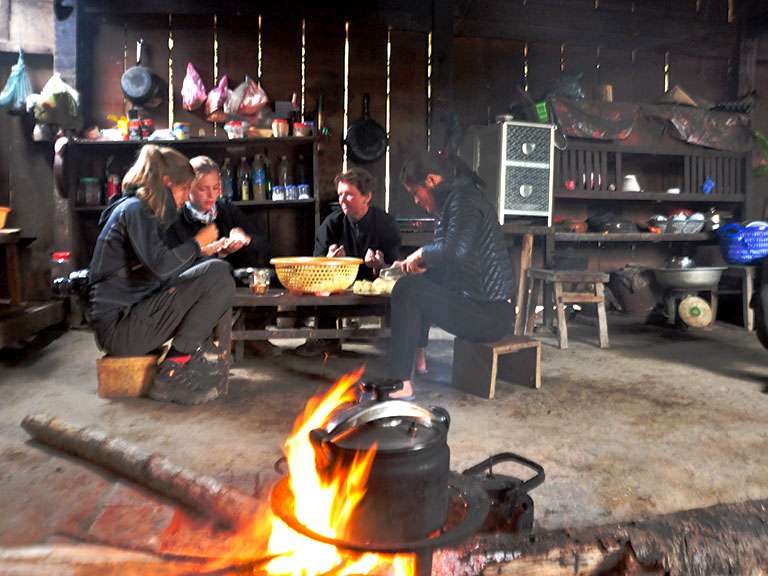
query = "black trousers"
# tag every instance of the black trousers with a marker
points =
(418, 303)
(187, 311)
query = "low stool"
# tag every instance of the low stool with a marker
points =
(537, 277)
(125, 376)
(745, 275)
(476, 365)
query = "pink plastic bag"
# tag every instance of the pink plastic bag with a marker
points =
(214, 106)
(254, 98)
(192, 90)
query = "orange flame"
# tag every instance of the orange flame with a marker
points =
(323, 502)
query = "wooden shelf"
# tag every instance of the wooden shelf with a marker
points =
(208, 140)
(276, 203)
(649, 196)
(632, 237)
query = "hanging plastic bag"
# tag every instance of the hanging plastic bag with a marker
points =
(58, 103)
(214, 106)
(17, 88)
(232, 105)
(254, 98)
(192, 90)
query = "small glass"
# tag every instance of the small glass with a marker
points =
(259, 280)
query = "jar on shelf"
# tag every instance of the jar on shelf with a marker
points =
(89, 192)
(279, 128)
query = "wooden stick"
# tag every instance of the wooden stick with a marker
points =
(202, 493)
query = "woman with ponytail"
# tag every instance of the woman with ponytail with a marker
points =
(463, 281)
(145, 293)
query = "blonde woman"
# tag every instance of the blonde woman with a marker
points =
(145, 293)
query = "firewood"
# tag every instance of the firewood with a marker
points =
(202, 493)
(89, 560)
(721, 539)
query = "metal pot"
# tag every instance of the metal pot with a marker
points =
(407, 492)
(701, 278)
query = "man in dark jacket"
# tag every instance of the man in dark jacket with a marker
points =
(358, 230)
(463, 281)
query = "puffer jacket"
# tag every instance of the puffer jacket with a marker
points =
(131, 259)
(468, 254)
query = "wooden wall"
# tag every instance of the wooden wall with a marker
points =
(498, 48)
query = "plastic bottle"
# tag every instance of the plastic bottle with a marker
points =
(244, 179)
(258, 178)
(301, 171)
(284, 172)
(227, 189)
(267, 176)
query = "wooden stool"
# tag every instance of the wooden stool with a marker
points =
(476, 365)
(539, 276)
(747, 276)
(125, 376)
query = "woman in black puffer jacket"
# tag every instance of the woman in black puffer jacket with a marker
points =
(463, 282)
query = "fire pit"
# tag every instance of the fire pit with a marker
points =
(412, 503)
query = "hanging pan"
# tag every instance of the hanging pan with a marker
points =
(366, 140)
(139, 85)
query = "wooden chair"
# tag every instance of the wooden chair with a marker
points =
(538, 277)
(476, 365)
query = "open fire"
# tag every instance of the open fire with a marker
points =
(324, 503)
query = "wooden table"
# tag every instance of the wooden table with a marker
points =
(346, 304)
(9, 239)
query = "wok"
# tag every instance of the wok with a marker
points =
(699, 278)
(138, 83)
(366, 140)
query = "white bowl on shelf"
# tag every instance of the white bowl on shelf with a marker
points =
(630, 184)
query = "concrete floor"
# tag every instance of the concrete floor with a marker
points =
(665, 420)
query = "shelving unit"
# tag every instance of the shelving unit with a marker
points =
(288, 224)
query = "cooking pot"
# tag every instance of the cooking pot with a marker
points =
(138, 83)
(407, 492)
(366, 140)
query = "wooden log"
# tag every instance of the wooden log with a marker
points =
(721, 539)
(202, 493)
(526, 254)
(89, 560)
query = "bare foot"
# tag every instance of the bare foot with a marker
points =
(420, 362)
(406, 392)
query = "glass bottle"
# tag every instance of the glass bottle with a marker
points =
(244, 179)
(227, 189)
(258, 178)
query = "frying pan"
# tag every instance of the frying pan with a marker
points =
(366, 140)
(139, 85)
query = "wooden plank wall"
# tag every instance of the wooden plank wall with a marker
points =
(500, 47)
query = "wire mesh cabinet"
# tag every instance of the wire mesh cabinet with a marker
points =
(516, 161)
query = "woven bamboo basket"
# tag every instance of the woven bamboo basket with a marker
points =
(314, 275)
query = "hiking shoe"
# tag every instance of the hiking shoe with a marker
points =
(314, 347)
(183, 383)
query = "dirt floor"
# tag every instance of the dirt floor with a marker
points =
(664, 420)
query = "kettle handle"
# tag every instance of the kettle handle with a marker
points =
(488, 463)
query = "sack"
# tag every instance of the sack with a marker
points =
(217, 98)
(192, 90)
(253, 99)
(17, 88)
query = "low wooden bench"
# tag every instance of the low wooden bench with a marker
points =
(476, 365)
(231, 327)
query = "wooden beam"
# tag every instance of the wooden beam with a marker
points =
(441, 117)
